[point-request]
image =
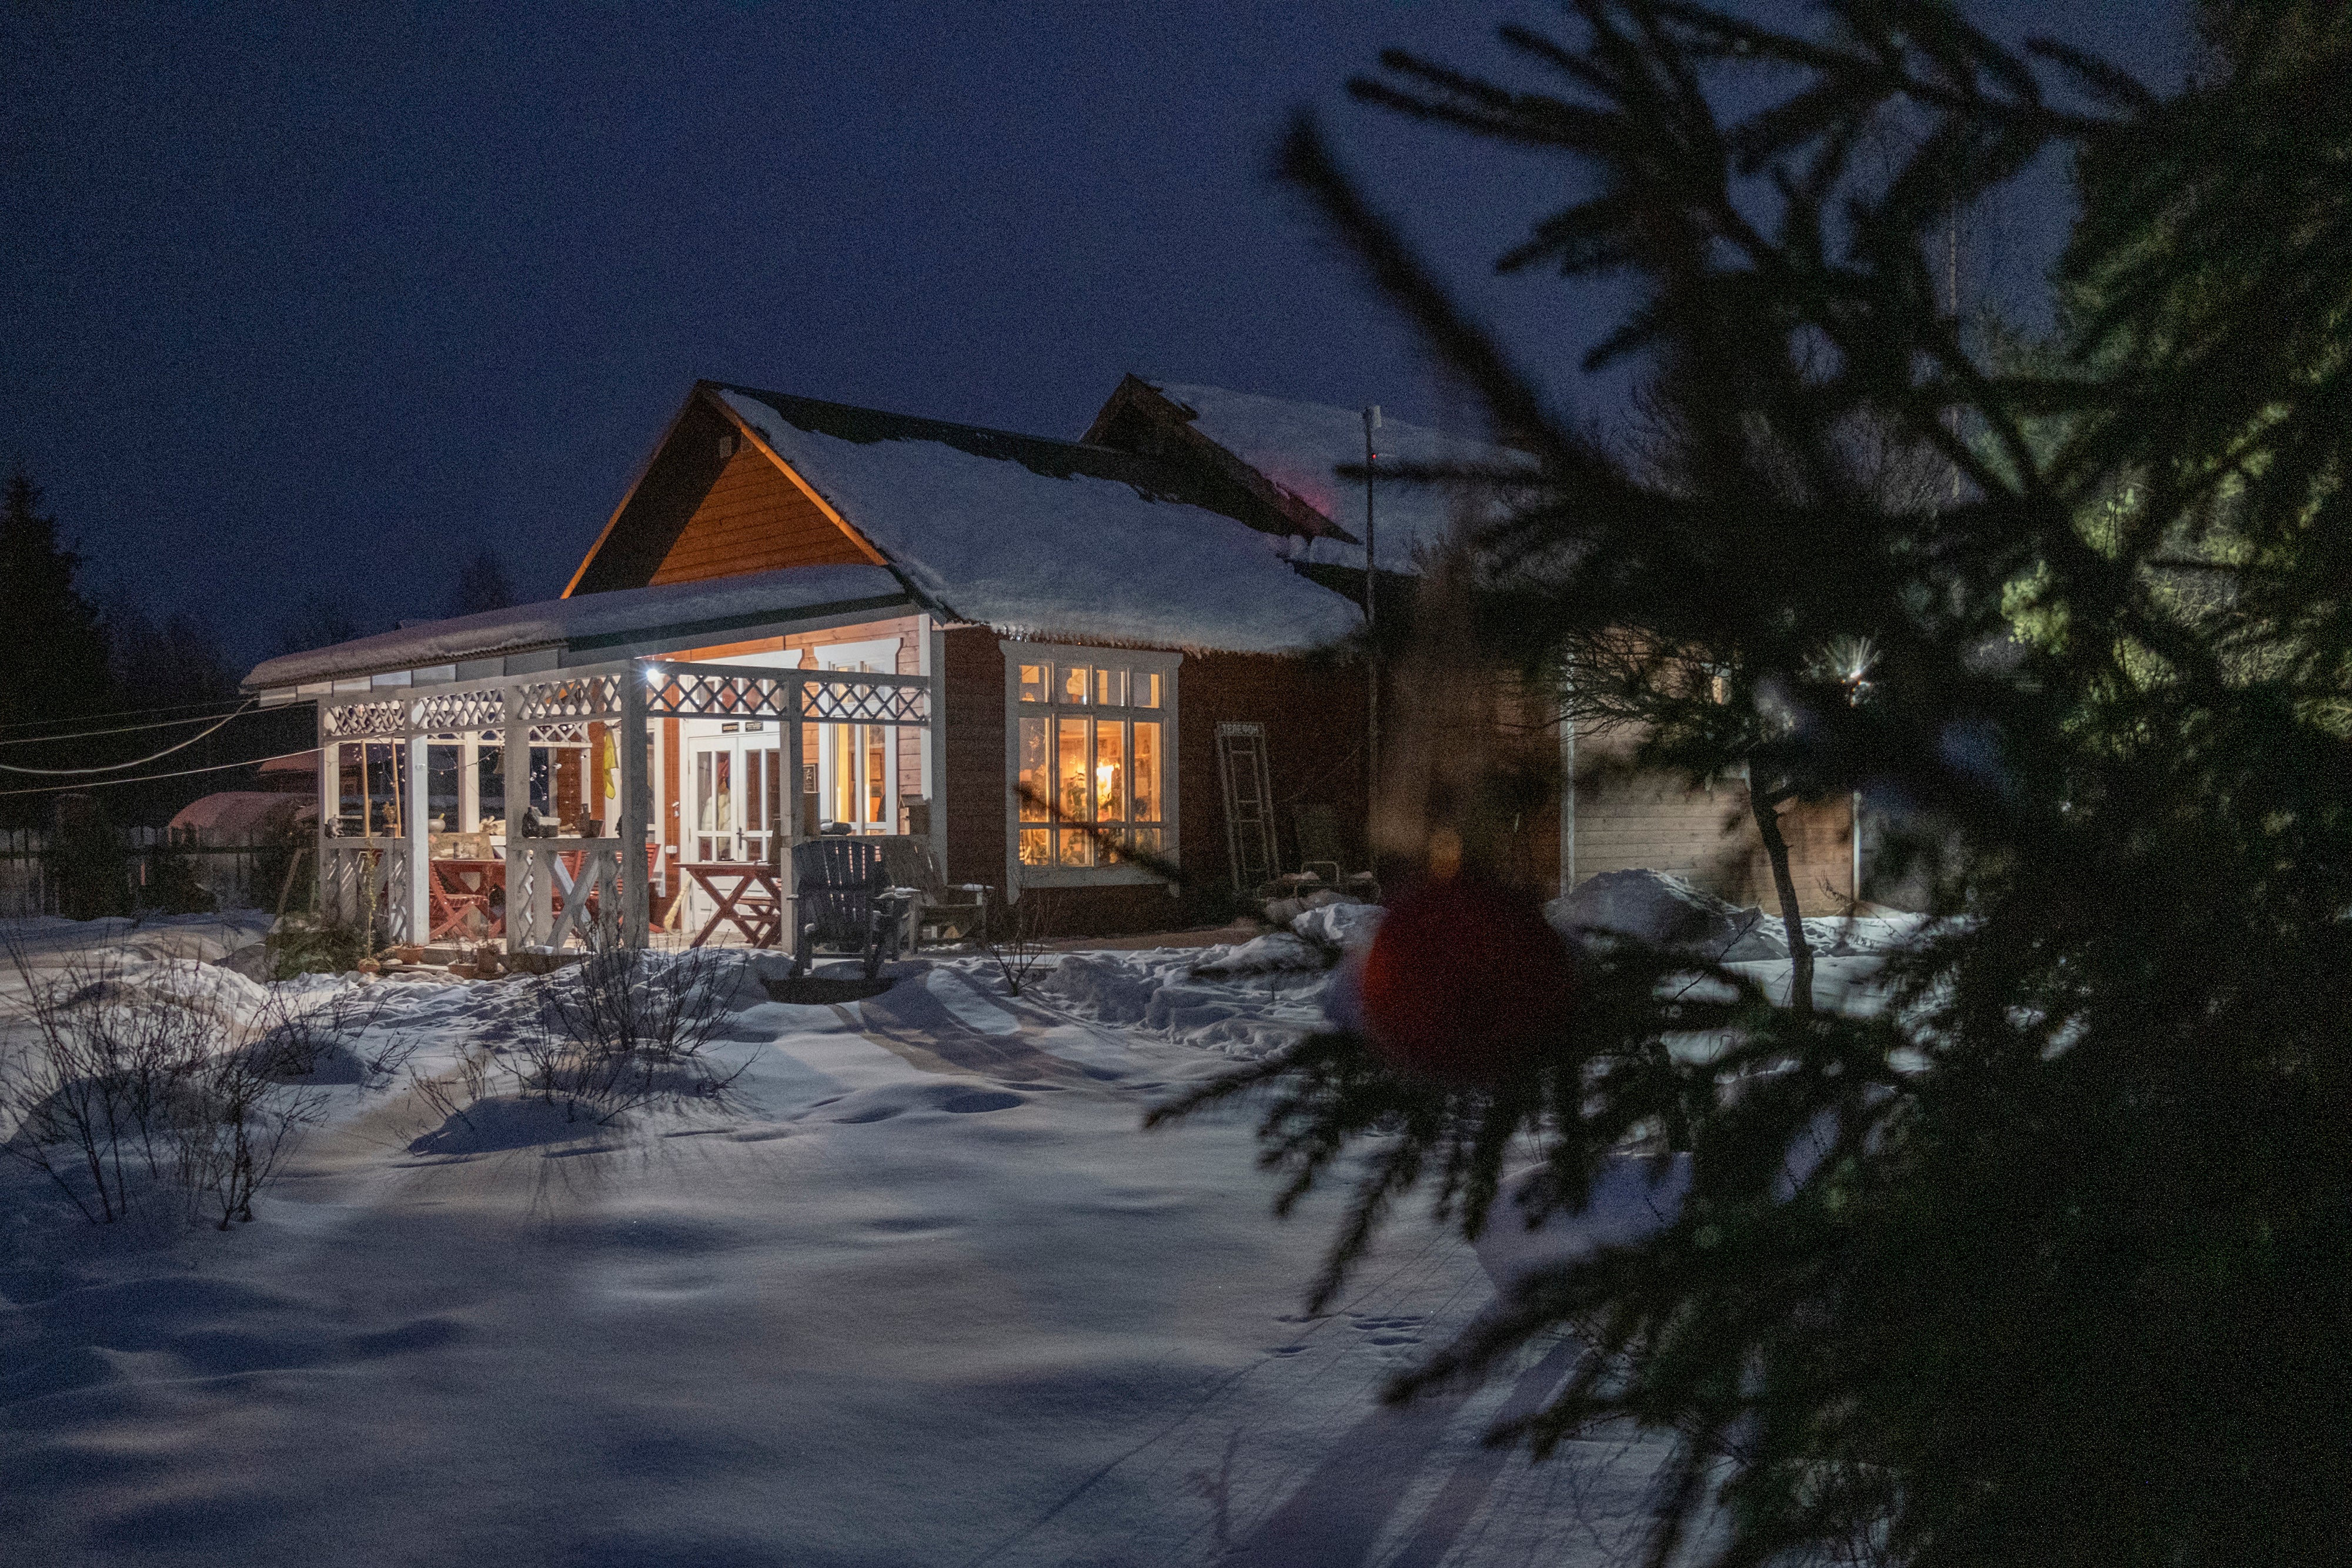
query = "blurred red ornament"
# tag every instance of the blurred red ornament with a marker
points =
(1462, 976)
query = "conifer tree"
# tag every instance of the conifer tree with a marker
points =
(53, 662)
(482, 584)
(2050, 1261)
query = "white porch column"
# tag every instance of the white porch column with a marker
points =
(331, 801)
(795, 695)
(636, 807)
(515, 759)
(420, 842)
(933, 738)
(470, 782)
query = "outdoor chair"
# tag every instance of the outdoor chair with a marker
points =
(846, 901)
(944, 911)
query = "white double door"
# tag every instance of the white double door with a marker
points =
(734, 779)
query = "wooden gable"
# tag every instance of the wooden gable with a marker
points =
(714, 502)
(754, 518)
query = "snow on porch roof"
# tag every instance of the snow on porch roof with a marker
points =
(1298, 444)
(1048, 540)
(688, 610)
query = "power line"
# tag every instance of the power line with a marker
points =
(148, 778)
(125, 729)
(118, 766)
(213, 702)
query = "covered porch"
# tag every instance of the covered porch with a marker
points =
(639, 775)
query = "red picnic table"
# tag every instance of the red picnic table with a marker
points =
(744, 895)
(462, 885)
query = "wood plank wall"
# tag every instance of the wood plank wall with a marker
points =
(754, 519)
(1631, 819)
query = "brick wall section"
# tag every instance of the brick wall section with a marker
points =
(1313, 720)
(1314, 717)
(971, 771)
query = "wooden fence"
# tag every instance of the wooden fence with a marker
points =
(237, 871)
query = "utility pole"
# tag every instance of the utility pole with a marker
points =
(1371, 645)
(1952, 294)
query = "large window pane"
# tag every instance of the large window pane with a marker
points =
(442, 764)
(1073, 795)
(490, 779)
(1146, 776)
(1110, 772)
(1036, 774)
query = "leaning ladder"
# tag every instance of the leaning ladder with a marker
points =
(1249, 804)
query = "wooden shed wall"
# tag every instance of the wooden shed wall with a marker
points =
(1627, 821)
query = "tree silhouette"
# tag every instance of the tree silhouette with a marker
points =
(2050, 1260)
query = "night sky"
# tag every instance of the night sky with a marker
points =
(325, 298)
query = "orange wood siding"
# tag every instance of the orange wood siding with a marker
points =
(754, 519)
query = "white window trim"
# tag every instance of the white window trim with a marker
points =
(1162, 664)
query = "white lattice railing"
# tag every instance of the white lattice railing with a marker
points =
(561, 891)
(365, 883)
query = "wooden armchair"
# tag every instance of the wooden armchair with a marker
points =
(847, 900)
(944, 911)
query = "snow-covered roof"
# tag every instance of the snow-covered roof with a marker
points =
(1298, 447)
(688, 608)
(1050, 539)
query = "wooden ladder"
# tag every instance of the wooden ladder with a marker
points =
(1249, 805)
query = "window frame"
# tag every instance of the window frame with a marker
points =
(1154, 661)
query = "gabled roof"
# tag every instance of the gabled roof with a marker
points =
(1046, 539)
(1296, 448)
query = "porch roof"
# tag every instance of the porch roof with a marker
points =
(609, 626)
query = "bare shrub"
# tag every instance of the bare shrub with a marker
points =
(1017, 934)
(626, 1027)
(124, 1083)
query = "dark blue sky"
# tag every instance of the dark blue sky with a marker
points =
(326, 296)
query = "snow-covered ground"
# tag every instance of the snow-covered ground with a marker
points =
(917, 1292)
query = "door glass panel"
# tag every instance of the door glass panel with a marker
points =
(842, 804)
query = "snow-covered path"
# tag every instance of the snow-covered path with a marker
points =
(922, 1295)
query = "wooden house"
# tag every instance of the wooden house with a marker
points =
(1053, 662)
